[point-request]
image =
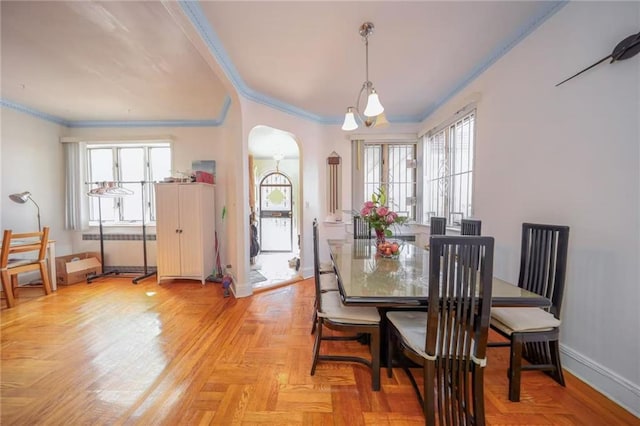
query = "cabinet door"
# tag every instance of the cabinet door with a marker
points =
(167, 230)
(190, 207)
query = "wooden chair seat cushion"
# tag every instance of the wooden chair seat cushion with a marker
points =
(334, 310)
(326, 267)
(328, 282)
(412, 326)
(510, 320)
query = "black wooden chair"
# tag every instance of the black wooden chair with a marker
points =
(534, 332)
(333, 315)
(449, 340)
(438, 225)
(361, 228)
(470, 226)
(328, 281)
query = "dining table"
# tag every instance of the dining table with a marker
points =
(366, 278)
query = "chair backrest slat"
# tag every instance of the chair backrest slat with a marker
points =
(543, 261)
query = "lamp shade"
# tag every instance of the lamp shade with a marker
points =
(21, 197)
(374, 107)
(349, 120)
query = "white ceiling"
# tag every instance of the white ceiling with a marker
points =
(80, 62)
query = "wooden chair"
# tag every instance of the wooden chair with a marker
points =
(470, 226)
(10, 268)
(438, 225)
(449, 340)
(361, 228)
(333, 315)
(534, 332)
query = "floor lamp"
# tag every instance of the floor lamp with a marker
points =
(22, 198)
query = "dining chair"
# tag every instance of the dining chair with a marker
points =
(328, 281)
(361, 228)
(333, 315)
(10, 268)
(438, 225)
(470, 226)
(534, 333)
(449, 340)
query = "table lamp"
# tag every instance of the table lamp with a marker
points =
(22, 198)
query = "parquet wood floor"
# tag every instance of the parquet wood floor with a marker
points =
(114, 353)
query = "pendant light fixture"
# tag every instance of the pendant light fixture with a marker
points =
(374, 111)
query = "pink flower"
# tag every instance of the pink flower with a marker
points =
(390, 219)
(382, 211)
(365, 211)
(369, 204)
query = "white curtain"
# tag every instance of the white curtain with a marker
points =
(75, 199)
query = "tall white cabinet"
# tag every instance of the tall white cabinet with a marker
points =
(185, 230)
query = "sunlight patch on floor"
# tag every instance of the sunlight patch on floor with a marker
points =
(275, 267)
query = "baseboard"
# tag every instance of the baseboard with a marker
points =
(615, 387)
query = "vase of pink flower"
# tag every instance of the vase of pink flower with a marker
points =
(379, 216)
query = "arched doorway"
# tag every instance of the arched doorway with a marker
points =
(276, 213)
(274, 206)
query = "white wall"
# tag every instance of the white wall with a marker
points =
(569, 155)
(32, 160)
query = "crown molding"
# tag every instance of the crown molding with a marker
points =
(215, 122)
(194, 13)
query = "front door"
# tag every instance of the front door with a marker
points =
(276, 230)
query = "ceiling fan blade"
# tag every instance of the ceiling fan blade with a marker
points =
(586, 69)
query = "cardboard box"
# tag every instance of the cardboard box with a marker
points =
(75, 268)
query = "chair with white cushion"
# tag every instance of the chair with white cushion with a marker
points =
(328, 281)
(333, 315)
(449, 341)
(533, 333)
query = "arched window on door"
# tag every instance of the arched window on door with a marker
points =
(276, 212)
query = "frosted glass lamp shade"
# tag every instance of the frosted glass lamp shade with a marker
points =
(349, 120)
(374, 107)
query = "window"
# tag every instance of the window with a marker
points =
(448, 170)
(391, 166)
(129, 164)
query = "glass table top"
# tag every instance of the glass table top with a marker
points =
(367, 278)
